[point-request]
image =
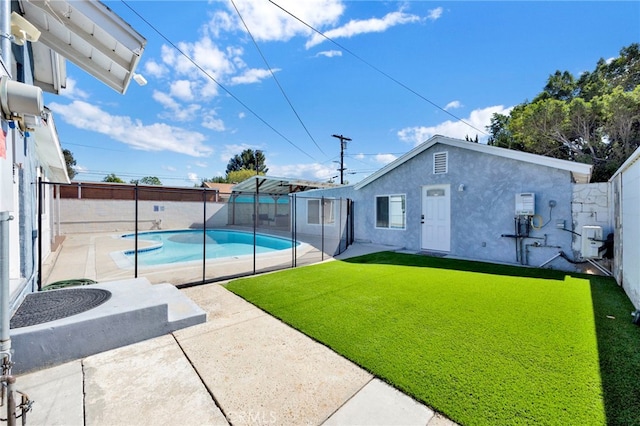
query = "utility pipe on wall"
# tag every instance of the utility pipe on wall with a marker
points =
(5, 317)
(5, 34)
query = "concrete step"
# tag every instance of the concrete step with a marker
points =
(137, 310)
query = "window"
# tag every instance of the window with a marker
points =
(440, 163)
(390, 211)
(315, 214)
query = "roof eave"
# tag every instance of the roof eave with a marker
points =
(580, 172)
(49, 151)
(91, 36)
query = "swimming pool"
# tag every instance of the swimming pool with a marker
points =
(186, 245)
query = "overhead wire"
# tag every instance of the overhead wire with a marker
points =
(375, 68)
(255, 114)
(273, 75)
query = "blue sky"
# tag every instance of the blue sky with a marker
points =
(399, 73)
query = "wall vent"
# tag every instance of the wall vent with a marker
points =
(440, 163)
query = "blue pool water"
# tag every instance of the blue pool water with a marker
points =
(187, 245)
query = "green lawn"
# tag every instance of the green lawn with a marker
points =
(481, 343)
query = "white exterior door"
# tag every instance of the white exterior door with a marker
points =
(436, 218)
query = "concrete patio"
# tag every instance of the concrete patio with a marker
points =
(241, 367)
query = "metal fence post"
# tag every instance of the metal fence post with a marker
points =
(204, 234)
(135, 244)
(322, 228)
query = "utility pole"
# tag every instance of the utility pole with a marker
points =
(343, 146)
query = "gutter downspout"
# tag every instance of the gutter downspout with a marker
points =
(5, 35)
(5, 337)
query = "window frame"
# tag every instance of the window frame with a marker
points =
(330, 219)
(403, 201)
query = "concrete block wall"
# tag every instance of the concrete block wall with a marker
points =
(591, 205)
(89, 215)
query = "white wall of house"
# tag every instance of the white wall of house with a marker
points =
(626, 199)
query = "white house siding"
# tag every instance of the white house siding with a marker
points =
(626, 194)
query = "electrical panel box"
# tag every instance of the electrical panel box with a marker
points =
(525, 204)
(591, 241)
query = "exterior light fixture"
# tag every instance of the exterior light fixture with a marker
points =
(139, 78)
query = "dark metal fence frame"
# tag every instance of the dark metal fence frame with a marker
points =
(344, 222)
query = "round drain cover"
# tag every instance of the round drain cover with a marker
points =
(45, 306)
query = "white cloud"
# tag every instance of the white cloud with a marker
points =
(241, 115)
(435, 14)
(201, 164)
(181, 89)
(165, 100)
(253, 75)
(329, 53)
(153, 137)
(210, 121)
(193, 177)
(359, 156)
(269, 22)
(72, 91)
(154, 69)
(452, 105)
(313, 171)
(175, 110)
(169, 168)
(355, 27)
(384, 158)
(479, 119)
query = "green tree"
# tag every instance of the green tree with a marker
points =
(560, 85)
(237, 176)
(215, 179)
(622, 121)
(70, 162)
(248, 160)
(624, 71)
(112, 178)
(147, 180)
(594, 120)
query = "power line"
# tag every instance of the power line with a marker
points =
(255, 114)
(275, 78)
(94, 147)
(370, 65)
